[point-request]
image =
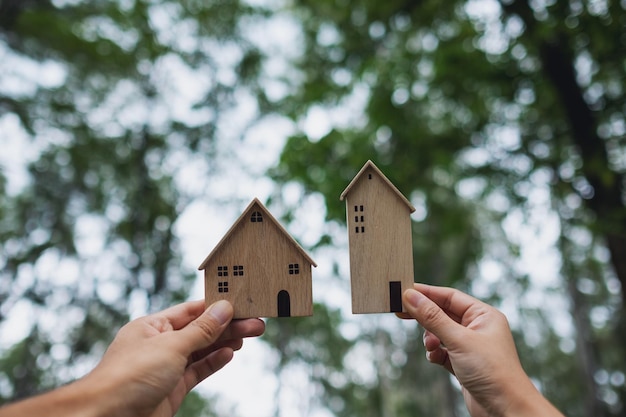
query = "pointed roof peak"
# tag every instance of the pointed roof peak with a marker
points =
(244, 215)
(359, 175)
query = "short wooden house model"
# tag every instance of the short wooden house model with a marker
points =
(259, 268)
(379, 236)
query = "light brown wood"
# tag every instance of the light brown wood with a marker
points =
(379, 236)
(256, 264)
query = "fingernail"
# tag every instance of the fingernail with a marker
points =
(412, 297)
(221, 311)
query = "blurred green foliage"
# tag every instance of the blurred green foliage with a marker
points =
(483, 113)
(471, 109)
(85, 90)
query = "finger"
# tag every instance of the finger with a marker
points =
(234, 344)
(431, 316)
(440, 357)
(437, 356)
(431, 342)
(206, 367)
(243, 328)
(454, 302)
(435, 352)
(232, 337)
(206, 329)
(182, 314)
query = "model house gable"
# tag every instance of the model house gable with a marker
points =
(256, 212)
(259, 268)
(369, 172)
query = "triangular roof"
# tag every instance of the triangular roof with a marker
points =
(357, 178)
(243, 217)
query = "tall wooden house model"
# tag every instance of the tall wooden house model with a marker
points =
(259, 268)
(379, 236)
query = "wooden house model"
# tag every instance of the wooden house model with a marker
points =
(259, 268)
(379, 236)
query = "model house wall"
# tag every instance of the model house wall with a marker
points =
(259, 268)
(379, 234)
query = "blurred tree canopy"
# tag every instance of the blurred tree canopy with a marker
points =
(497, 118)
(91, 95)
(502, 121)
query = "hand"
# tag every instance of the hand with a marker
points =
(473, 341)
(156, 360)
(150, 366)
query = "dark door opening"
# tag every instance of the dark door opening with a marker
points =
(284, 304)
(395, 296)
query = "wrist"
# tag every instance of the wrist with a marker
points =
(99, 398)
(525, 400)
(83, 398)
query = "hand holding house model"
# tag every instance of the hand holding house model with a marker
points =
(264, 272)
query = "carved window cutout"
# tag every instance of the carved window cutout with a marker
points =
(222, 286)
(359, 219)
(256, 217)
(222, 271)
(294, 269)
(238, 270)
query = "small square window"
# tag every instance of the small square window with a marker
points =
(222, 271)
(256, 217)
(356, 229)
(360, 208)
(356, 208)
(238, 270)
(222, 286)
(294, 269)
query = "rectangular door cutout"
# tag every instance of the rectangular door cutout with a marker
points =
(395, 296)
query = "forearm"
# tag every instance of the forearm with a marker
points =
(81, 398)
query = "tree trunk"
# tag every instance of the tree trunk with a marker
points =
(585, 348)
(606, 201)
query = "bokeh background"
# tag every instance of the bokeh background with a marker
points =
(134, 132)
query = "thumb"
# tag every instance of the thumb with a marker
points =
(431, 316)
(206, 329)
